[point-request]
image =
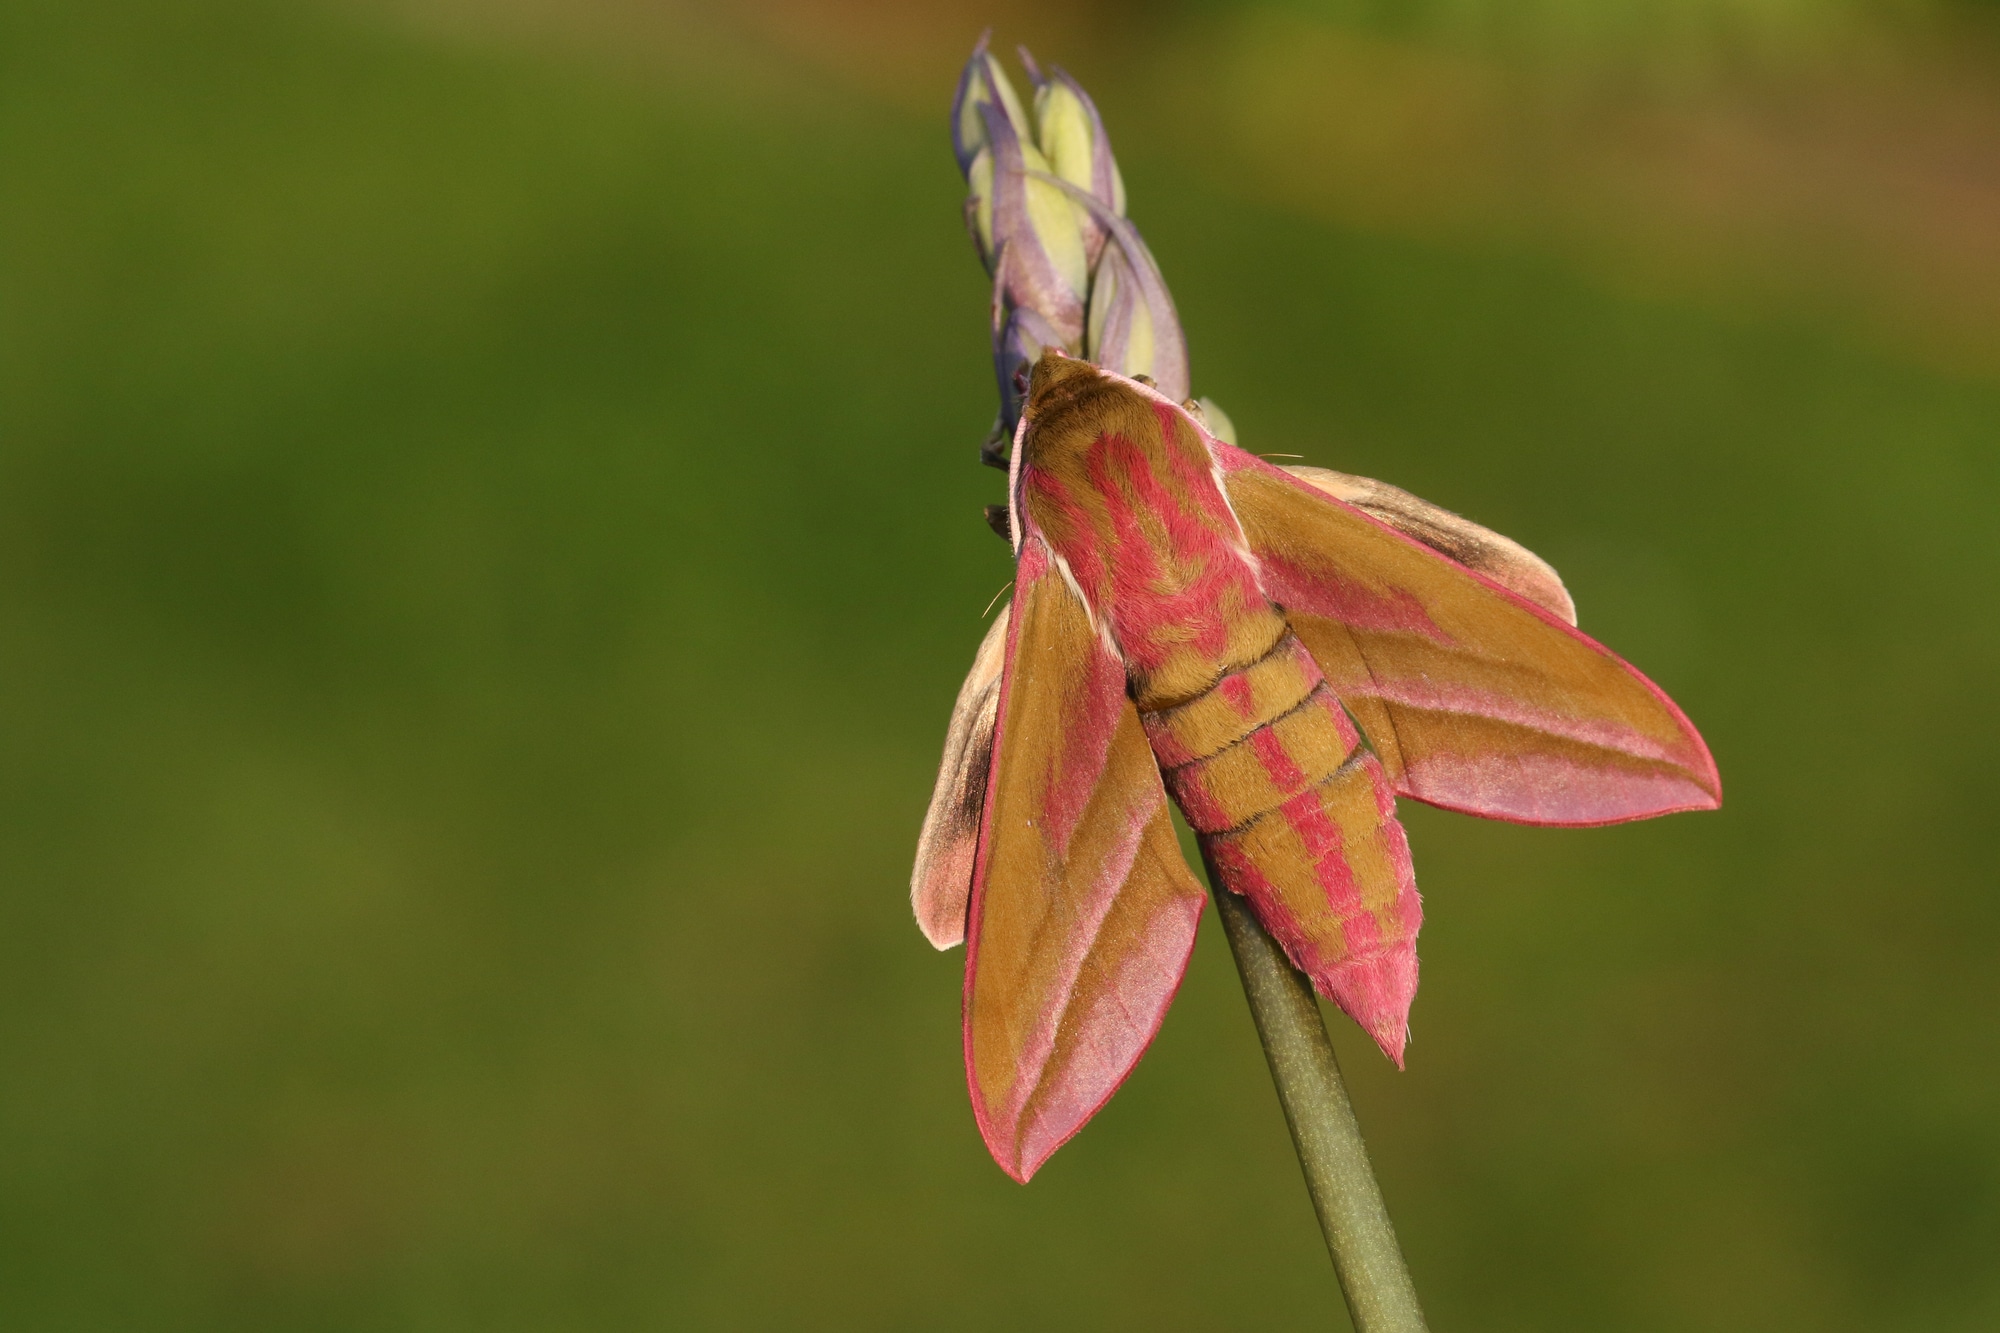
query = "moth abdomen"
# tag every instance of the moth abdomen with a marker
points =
(1261, 736)
(1294, 812)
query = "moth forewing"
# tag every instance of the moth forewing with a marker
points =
(1082, 914)
(1477, 697)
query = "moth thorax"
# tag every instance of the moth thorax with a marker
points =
(1174, 674)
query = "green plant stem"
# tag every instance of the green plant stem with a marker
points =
(1366, 1256)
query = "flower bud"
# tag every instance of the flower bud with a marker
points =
(1031, 231)
(1132, 327)
(982, 84)
(1073, 140)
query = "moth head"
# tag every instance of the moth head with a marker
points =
(1053, 369)
(1059, 381)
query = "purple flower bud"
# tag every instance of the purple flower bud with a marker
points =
(1030, 229)
(982, 84)
(1132, 326)
(1072, 138)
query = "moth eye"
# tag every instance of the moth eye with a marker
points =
(1146, 380)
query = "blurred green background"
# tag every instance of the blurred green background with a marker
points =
(489, 537)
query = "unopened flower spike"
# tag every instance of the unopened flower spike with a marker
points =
(1045, 206)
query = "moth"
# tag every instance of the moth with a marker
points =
(1279, 652)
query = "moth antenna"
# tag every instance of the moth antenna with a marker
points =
(996, 600)
(1281, 455)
